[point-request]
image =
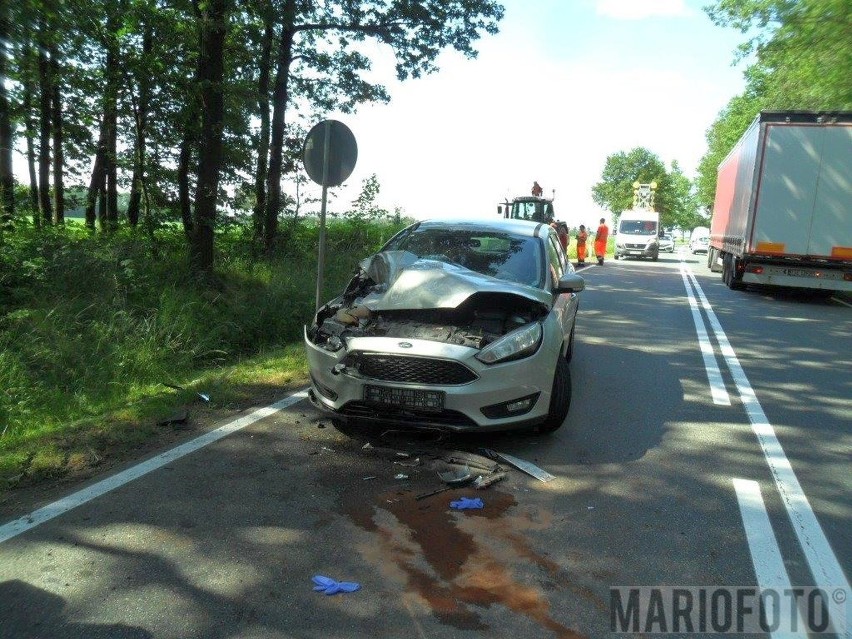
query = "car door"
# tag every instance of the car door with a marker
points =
(565, 304)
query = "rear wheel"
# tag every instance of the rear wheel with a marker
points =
(560, 398)
(729, 273)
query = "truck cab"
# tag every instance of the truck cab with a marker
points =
(529, 207)
(637, 234)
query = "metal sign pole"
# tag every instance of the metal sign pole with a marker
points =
(321, 257)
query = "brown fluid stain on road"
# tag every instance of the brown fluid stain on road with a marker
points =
(457, 561)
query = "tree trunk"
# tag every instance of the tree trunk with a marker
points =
(7, 139)
(279, 106)
(111, 123)
(29, 125)
(97, 181)
(141, 120)
(211, 67)
(56, 124)
(263, 135)
(44, 119)
(184, 160)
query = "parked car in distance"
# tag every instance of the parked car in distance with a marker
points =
(456, 325)
(699, 244)
(666, 244)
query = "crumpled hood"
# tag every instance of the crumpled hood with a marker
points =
(408, 282)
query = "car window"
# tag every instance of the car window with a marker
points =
(553, 258)
(511, 257)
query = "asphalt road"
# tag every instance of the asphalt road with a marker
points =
(660, 483)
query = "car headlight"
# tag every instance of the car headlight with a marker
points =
(515, 345)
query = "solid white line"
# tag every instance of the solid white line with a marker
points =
(840, 301)
(823, 564)
(46, 513)
(765, 553)
(714, 376)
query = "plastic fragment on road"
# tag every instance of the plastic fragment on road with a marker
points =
(467, 503)
(484, 481)
(330, 586)
(521, 464)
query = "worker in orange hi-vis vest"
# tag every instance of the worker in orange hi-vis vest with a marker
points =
(582, 238)
(600, 241)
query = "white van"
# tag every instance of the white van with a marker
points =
(699, 240)
(637, 234)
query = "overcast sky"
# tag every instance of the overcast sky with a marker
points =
(562, 86)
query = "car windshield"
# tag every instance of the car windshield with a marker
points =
(637, 227)
(498, 254)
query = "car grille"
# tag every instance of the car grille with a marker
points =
(410, 370)
(385, 413)
(635, 246)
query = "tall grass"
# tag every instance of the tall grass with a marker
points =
(92, 322)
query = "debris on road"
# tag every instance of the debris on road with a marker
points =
(484, 481)
(437, 491)
(456, 476)
(400, 476)
(330, 586)
(522, 465)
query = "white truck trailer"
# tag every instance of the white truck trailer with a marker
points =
(782, 214)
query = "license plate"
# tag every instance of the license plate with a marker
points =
(798, 272)
(405, 397)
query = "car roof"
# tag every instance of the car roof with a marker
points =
(524, 228)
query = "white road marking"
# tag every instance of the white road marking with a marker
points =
(46, 513)
(822, 562)
(840, 301)
(765, 553)
(714, 376)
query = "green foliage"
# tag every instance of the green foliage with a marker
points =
(615, 190)
(803, 47)
(802, 54)
(90, 322)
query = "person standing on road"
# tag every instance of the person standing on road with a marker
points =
(600, 241)
(582, 238)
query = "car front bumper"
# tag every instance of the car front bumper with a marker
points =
(342, 391)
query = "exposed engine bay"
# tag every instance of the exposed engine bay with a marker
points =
(395, 294)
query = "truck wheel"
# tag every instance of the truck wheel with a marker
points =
(729, 273)
(560, 398)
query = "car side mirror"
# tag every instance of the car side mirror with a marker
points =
(570, 283)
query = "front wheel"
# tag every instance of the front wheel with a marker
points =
(560, 398)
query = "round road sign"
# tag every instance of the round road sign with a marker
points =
(330, 153)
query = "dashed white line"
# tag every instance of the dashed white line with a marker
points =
(46, 513)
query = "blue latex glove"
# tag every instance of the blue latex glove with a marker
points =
(331, 587)
(466, 503)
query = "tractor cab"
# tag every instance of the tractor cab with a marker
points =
(530, 207)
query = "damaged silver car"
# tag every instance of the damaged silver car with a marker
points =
(458, 325)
